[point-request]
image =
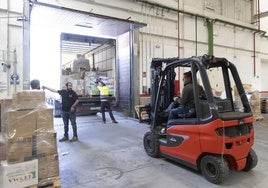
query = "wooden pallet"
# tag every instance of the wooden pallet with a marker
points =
(54, 184)
(47, 184)
(264, 106)
(143, 113)
(259, 118)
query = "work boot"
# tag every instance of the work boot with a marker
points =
(63, 139)
(115, 121)
(74, 139)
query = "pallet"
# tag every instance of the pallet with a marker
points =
(47, 184)
(54, 184)
(258, 119)
(143, 113)
(264, 106)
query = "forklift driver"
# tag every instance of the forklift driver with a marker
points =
(186, 102)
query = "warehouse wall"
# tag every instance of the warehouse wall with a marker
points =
(11, 46)
(230, 41)
(162, 38)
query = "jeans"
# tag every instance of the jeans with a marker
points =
(176, 111)
(106, 105)
(66, 116)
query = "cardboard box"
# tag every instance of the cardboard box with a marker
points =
(20, 149)
(3, 151)
(21, 123)
(44, 118)
(48, 167)
(29, 99)
(24, 149)
(46, 143)
(5, 105)
(19, 175)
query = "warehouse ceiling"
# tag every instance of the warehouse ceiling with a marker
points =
(80, 32)
(80, 44)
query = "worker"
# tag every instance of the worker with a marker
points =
(186, 102)
(35, 84)
(69, 103)
(174, 104)
(105, 100)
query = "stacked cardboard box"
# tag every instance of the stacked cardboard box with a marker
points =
(238, 102)
(78, 83)
(5, 105)
(255, 105)
(27, 134)
(254, 101)
(34, 99)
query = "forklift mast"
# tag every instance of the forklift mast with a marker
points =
(157, 66)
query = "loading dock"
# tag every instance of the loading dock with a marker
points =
(88, 26)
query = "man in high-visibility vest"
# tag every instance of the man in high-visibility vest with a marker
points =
(105, 103)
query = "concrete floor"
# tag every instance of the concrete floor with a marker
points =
(112, 156)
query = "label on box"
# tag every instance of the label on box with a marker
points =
(19, 175)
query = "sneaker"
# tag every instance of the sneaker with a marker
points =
(115, 121)
(104, 121)
(163, 131)
(63, 139)
(74, 139)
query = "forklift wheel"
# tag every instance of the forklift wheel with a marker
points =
(214, 168)
(252, 161)
(151, 144)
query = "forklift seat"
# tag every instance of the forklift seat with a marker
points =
(184, 118)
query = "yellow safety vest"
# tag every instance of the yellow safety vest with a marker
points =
(104, 93)
(104, 90)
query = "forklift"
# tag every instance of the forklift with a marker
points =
(216, 136)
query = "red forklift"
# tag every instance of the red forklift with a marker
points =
(216, 136)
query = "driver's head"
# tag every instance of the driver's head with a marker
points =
(187, 77)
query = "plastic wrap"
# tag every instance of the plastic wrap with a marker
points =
(5, 105)
(255, 105)
(29, 99)
(27, 133)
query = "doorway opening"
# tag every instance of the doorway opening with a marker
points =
(59, 35)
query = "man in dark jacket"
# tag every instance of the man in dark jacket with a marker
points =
(186, 102)
(69, 102)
